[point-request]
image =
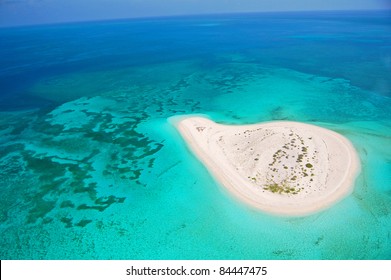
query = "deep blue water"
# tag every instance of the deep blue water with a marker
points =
(91, 168)
(328, 44)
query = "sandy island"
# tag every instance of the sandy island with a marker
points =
(287, 168)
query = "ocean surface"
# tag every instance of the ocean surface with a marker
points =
(92, 168)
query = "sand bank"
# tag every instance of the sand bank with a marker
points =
(286, 168)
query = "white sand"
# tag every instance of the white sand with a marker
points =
(286, 168)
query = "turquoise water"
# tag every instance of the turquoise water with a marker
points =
(91, 168)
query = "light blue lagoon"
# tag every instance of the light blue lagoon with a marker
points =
(91, 168)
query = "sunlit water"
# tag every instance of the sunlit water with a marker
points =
(91, 168)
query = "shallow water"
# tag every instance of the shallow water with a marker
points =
(91, 168)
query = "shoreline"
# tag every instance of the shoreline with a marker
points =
(261, 165)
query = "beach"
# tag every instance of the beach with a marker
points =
(282, 167)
